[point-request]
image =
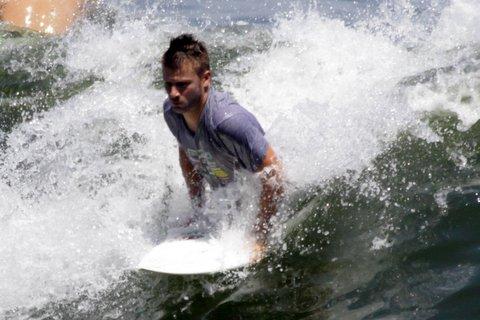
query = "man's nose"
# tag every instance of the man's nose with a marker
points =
(174, 92)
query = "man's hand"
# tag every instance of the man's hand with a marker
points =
(259, 250)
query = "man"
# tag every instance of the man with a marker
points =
(216, 136)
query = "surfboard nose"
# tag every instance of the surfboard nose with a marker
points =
(196, 256)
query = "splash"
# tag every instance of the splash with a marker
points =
(327, 94)
(85, 180)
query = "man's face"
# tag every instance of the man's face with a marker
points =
(186, 90)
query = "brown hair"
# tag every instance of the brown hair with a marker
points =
(186, 48)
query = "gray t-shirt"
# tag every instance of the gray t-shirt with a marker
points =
(228, 138)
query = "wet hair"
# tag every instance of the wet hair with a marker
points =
(186, 48)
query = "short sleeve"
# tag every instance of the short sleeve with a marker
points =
(245, 139)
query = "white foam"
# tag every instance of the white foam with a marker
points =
(86, 178)
(454, 44)
(326, 94)
(458, 25)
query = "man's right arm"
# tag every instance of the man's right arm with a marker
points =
(193, 179)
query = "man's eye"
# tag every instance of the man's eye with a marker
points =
(182, 84)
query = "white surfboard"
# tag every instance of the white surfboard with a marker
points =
(197, 256)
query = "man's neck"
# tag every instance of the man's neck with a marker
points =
(192, 118)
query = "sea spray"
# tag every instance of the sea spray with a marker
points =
(327, 94)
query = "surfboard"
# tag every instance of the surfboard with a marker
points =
(197, 256)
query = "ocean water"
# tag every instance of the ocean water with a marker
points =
(373, 107)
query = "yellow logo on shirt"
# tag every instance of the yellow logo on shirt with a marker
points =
(219, 173)
(204, 162)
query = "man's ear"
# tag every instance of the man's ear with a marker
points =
(207, 79)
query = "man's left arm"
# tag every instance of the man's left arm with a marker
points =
(256, 155)
(271, 194)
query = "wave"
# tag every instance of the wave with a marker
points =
(375, 121)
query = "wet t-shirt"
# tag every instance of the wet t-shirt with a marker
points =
(228, 138)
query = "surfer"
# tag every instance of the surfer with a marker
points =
(216, 136)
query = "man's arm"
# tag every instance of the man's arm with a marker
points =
(193, 179)
(272, 193)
